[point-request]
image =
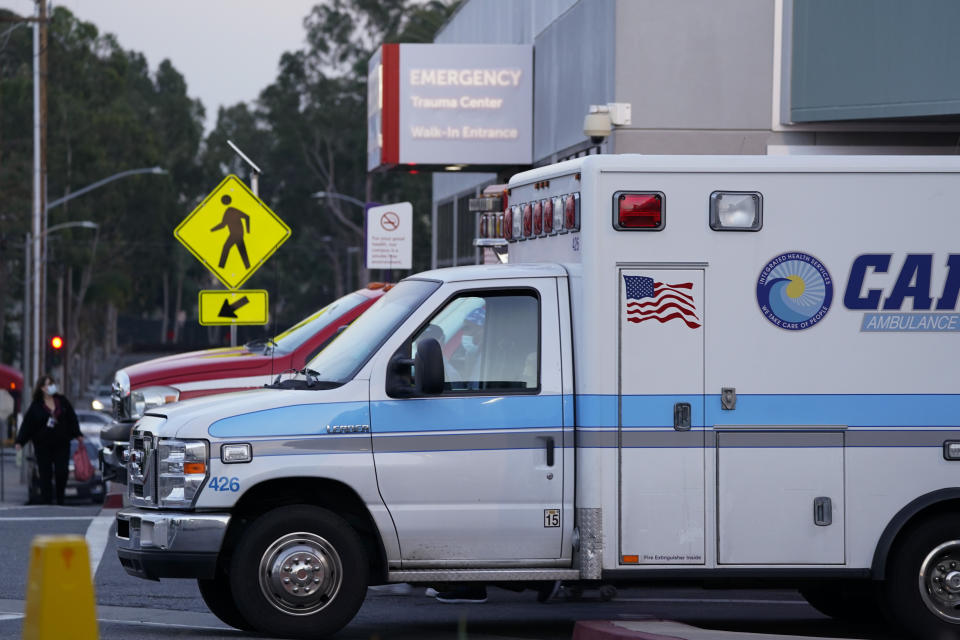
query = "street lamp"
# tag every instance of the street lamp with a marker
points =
(123, 174)
(34, 370)
(39, 257)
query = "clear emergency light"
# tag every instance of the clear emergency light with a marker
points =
(517, 233)
(557, 214)
(639, 211)
(736, 211)
(537, 218)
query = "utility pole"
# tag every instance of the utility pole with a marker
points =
(255, 188)
(39, 184)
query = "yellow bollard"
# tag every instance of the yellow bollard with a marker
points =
(60, 600)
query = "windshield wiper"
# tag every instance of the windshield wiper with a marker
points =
(312, 381)
(266, 342)
(312, 376)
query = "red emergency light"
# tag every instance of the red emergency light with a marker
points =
(527, 220)
(537, 218)
(640, 211)
(548, 216)
(571, 212)
(508, 224)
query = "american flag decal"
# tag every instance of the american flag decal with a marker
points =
(649, 300)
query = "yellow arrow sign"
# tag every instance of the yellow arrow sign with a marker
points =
(232, 232)
(233, 307)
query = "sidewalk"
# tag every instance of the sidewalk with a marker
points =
(14, 492)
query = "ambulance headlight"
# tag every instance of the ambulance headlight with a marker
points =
(149, 397)
(736, 211)
(181, 471)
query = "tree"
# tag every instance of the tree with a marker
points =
(106, 113)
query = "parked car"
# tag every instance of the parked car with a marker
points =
(91, 422)
(99, 395)
(146, 385)
(91, 490)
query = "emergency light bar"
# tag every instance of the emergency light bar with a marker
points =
(541, 218)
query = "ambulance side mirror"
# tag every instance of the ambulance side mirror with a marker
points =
(428, 367)
(398, 376)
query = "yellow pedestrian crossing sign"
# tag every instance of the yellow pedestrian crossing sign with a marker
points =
(219, 307)
(232, 232)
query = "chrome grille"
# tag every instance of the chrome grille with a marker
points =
(141, 469)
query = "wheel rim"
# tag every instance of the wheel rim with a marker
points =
(300, 573)
(940, 581)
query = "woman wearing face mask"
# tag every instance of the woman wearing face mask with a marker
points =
(50, 423)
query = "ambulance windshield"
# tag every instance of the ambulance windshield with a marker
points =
(341, 360)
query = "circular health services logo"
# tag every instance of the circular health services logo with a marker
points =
(794, 291)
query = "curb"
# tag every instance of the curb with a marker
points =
(604, 630)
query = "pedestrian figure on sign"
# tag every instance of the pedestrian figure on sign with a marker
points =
(233, 219)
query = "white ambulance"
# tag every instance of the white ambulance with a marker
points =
(717, 369)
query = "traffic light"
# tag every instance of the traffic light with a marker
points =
(55, 352)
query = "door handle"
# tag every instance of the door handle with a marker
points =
(822, 511)
(550, 445)
(681, 416)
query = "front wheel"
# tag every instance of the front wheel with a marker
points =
(299, 571)
(217, 596)
(922, 588)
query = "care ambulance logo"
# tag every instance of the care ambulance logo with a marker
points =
(794, 291)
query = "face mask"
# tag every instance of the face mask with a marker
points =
(51, 389)
(467, 343)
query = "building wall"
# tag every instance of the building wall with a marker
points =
(573, 68)
(861, 59)
(501, 21)
(721, 77)
(698, 75)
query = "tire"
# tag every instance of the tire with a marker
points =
(217, 596)
(922, 589)
(849, 601)
(299, 571)
(607, 592)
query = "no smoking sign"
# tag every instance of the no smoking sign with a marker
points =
(390, 236)
(390, 221)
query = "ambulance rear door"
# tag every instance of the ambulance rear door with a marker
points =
(661, 408)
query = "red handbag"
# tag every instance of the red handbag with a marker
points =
(82, 467)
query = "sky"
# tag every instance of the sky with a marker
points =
(227, 50)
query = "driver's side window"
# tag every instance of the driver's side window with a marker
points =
(490, 341)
